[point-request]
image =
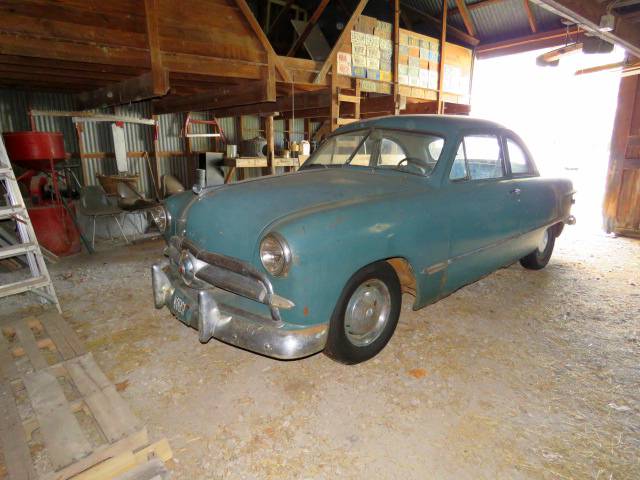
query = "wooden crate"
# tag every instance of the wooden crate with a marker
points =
(60, 416)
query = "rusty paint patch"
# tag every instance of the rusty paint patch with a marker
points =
(305, 312)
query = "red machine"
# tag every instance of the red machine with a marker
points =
(39, 152)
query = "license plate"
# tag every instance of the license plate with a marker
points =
(179, 307)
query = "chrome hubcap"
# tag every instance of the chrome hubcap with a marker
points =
(542, 245)
(367, 312)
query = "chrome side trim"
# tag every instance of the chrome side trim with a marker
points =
(436, 267)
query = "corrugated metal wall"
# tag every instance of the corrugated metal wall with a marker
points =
(97, 137)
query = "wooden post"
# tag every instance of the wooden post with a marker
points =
(335, 106)
(268, 127)
(443, 40)
(307, 129)
(156, 159)
(83, 161)
(396, 49)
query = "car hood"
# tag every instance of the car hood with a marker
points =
(229, 219)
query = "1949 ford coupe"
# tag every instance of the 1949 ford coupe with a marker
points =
(317, 260)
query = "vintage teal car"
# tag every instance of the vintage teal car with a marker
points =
(317, 260)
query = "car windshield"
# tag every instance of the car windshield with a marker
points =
(416, 153)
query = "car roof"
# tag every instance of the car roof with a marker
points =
(438, 124)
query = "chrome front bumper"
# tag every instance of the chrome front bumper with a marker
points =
(204, 310)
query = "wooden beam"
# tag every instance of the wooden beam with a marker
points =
(266, 44)
(346, 33)
(303, 101)
(533, 25)
(535, 41)
(443, 41)
(396, 48)
(466, 17)
(588, 13)
(130, 90)
(222, 97)
(308, 27)
(268, 133)
(455, 33)
(160, 79)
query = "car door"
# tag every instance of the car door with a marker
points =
(483, 209)
(535, 194)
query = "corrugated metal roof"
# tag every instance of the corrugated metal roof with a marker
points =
(493, 21)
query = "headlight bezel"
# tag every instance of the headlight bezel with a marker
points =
(161, 217)
(282, 268)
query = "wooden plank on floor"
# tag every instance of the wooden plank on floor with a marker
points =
(109, 409)
(60, 430)
(59, 339)
(8, 368)
(29, 344)
(128, 444)
(17, 458)
(153, 469)
(53, 319)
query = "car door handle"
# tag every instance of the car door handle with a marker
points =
(515, 191)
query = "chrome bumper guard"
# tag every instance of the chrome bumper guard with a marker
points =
(229, 274)
(246, 330)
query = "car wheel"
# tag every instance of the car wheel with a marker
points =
(540, 256)
(366, 314)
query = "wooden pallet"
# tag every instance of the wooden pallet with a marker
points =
(55, 401)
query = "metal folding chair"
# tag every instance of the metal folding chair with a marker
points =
(94, 203)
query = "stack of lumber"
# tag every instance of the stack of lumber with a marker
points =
(60, 416)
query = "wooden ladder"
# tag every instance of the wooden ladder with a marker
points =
(349, 96)
(39, 282)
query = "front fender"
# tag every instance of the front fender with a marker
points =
(329, 245)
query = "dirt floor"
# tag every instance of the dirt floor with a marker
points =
(521, 375)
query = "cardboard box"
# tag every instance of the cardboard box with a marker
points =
(357, 38)
(424, 53)
(386, 76)
(373, 52)
(414, 52)
(403, 60)
(359, 60)
(385, 65)
(424, 63)
(359, 50)
(403, 50)
(414, 62)
(403, 70)
(371, 41)
(359, 72)
(373, 63)
(403, 79)
(373, 74)
(414, 72)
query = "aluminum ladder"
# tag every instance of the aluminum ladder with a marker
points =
(39, 282)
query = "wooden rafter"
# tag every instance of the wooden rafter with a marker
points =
(346, 33)
(456, 33)
(533, 25)
(255, 26)
(466, 17)
(257, 91)
(160, 77)
(308, 27)
(126, 91)
(552, 38)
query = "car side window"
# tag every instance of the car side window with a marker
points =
(459, 168)
(479, 157)
(520, 164)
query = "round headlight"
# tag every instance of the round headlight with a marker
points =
(160, 217)
(275, 254)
